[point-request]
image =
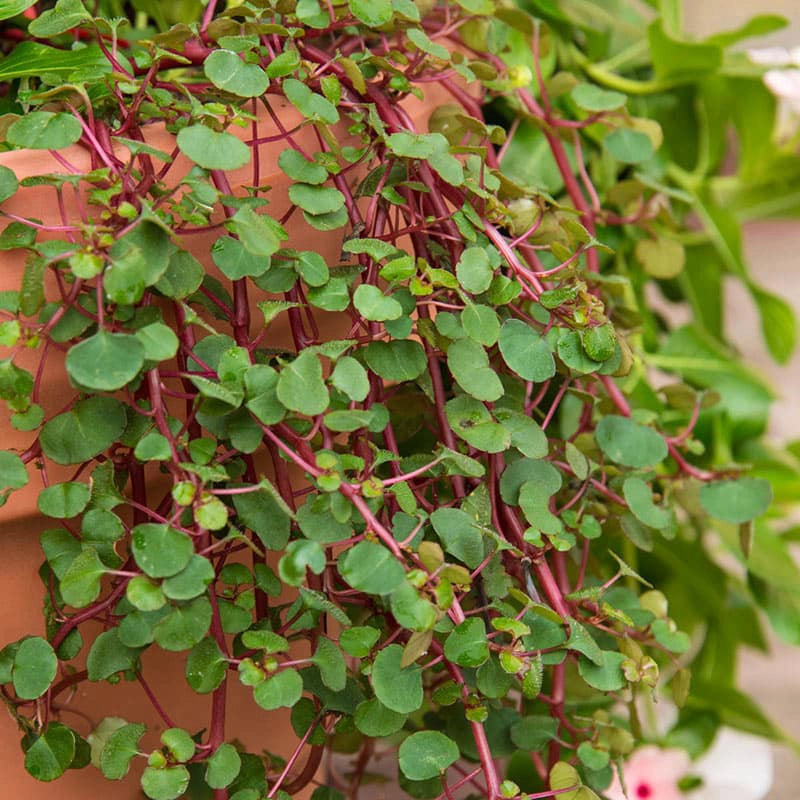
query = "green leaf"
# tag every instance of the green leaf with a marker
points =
(11, 8)
(397, 360)
(282, 690)
(640, 501)
(331, 664)
(67, 14)
(183, 276)
(736, 501)
(145, 595)
(91, 426)
(467, 645)
(35, 666)
(350, 377)
(599, 341)
(63, 500)
(184, 626)
(105, 361)
(316, 199)
(469, 364)
(159, 341)
(13, 474)
(299, 168)
(371, 568)
(308, 103)
(398, 688)
(628, 146)
(301, 387)
(227, 71)
(427, 754)
(481, 324)
(80, 584)
(265, 640)
(563, 777)
(34, 59)
(312, 268)
(50, 754)
(626, 442)
(300, 555)
(165, 783)
(459, 535)
(223, 766)
(473, 270)
(676, 57)
(138, 259)
(358, 641)
(108, 655)
(778, 324)
(674, 640)
(152, 447)
(261, 513)
(206, 666)
(373, 719)
(533, 732)
(410, 610)
(8, 184)
(471, 421)
(374, 305)
(526, 352)
(179, 743)
(44, 130)
(235, 261)
(259, 234)
(191, 581)
(212, 150)
(593, 98)
(661, 258)
(160, 550)
(372, 13)
(608, 676)
(121, 746)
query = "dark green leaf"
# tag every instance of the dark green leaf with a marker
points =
(35, 666)
(398, 688)
(371, 568)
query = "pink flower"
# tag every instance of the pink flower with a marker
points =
(651, 774)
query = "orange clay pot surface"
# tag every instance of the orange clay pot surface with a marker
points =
(21, 523)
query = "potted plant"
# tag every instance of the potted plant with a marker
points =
(342, 411)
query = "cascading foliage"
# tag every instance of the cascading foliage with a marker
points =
(458, 516)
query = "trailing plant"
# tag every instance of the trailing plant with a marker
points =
(459, 515)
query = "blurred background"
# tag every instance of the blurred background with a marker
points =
(773, 251)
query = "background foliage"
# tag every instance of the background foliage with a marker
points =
(502, 505)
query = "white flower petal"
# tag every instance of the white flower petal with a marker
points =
(785, 83)
(737, 765)
(771, 56)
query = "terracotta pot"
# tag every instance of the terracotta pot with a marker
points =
(21, 524)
